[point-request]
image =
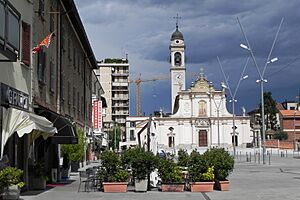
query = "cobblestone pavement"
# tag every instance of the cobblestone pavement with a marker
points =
(280, 180)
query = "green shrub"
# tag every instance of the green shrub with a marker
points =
(221, 160)
(183, 158)
(199, 169)
(11, 176)
(111, 170)
(169, 172)
(280, 135)
(141, 162)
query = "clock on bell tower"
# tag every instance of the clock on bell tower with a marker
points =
(177, 60)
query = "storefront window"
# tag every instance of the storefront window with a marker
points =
(13, 34)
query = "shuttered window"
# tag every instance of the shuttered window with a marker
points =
(26, 43)
(41, 66)
(52, 77)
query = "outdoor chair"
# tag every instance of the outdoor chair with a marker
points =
(86, 178)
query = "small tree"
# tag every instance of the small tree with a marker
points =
(74, 152)
(114, 137)
(280, 135)
(270, 112)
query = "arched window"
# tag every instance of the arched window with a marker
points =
(177, 59)
(202, 108)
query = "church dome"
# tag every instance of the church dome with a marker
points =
(177, 35)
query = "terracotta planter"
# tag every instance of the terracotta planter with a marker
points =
(202, 186)
(115, 186)
(172, 187)
(222, 185)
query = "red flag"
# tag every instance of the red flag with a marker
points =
(45, 42)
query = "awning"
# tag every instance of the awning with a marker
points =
(104, 104)
(22, 122)
(65, 127)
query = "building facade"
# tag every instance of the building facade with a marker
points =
(62, 75)
(200, 119)
(114, 78)
(20, 126)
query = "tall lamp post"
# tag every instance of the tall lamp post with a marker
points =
(217, 105)
(262, 80)
(233, 100)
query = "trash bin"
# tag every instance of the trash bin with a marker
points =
(54, 174)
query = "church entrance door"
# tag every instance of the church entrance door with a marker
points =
(202, 138)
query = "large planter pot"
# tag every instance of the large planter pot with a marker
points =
(222, 185)
(141, 185)
(202, 186)
(11, 192)
(115, 186)
(37, 183)
(172, 187)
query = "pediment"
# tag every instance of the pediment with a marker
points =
(201, 85)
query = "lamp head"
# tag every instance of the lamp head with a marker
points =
(244, 46)
(273, 60)
(224, 86)
(244, 77)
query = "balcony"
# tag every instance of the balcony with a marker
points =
(120, 105)
(120, 97)
(120, 83)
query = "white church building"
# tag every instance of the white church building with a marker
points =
(200, 119)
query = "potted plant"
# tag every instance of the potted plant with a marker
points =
(111, 174)
(142, 164)
(201, 175)
(223, 164)
(171, 175)
(10, 182)
(38, 176)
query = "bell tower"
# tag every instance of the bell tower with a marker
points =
(177, 60)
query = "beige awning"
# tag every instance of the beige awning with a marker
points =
(22, 123)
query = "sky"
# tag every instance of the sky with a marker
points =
(143, 28)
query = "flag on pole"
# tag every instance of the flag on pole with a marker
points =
(45, 42)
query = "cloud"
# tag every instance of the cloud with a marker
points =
(143, 28)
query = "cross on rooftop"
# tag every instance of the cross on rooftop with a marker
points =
(177, 17)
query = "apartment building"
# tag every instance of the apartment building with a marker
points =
(114, 78)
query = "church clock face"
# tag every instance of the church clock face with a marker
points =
(177, 59)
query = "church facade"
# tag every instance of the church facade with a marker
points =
(200, 119)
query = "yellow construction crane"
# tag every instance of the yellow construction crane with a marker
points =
(138, 90)
(138, 82)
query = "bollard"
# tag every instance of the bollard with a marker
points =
(250, 156)
(246, 156)
(286, 155)
(259, 158)
(269, 159)
(255, 157)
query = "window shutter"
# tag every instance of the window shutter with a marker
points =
(26, 43)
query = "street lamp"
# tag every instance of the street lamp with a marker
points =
(233, 100)
(218, 112)
(262, 80)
